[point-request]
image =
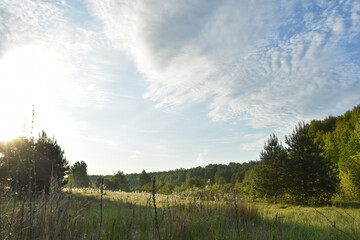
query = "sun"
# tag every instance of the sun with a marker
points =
(22, 80)
(12, 123)
(13, 119)
(6, 136)
(9, 129)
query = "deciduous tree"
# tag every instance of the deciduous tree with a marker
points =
(144, 178)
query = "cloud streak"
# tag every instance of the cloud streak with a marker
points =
(270, 63)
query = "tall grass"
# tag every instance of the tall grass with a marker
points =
(76, 215)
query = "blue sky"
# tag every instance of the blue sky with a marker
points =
(158, 85)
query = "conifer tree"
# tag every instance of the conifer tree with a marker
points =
(31, 163)
(312, 176)
(270, 177)
(78, 175)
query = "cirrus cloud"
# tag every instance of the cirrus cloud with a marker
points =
(269, 62)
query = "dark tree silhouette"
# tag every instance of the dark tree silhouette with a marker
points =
(50, 162)
(32, 163)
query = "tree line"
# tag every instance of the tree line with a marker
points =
(220, 177)
(318, 162)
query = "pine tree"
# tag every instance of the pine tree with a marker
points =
(270, 177)
(78, 175)
(50, 162)
(312, 176)
(26, 163)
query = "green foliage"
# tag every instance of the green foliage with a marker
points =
(195, 182)
(98, 181)
(120, 181)
(318, 155)
(147, 187)
(17, 162)
(144, 178)
(49, 160)
(26, 163)
(78, 175)
(247, 188)
(349, 162)
(340, 143)
(114, 183)
(167, 188)
(210, 171)
(196, 172)
(313, 177)
(271, 175)
(223, 176)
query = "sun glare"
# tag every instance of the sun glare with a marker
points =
(8, 135)
(30, 75)
(12, 122)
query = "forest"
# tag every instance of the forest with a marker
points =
(319, 162)
(307, 187)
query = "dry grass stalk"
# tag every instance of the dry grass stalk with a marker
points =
(101, 200)
(156, 215)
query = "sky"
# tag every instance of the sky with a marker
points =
(158, 85)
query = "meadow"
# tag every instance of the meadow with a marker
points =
(86, 214)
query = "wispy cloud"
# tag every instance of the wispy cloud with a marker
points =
(200, 160)
(254, 145)
(255, 141)
(271, 63)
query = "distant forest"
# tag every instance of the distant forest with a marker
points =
(318, 163)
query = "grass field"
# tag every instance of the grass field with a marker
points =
(77, 215)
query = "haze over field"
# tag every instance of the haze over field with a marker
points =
(132, 85)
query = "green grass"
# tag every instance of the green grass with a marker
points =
(76, 215)
(315, 222)
(216, 220)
